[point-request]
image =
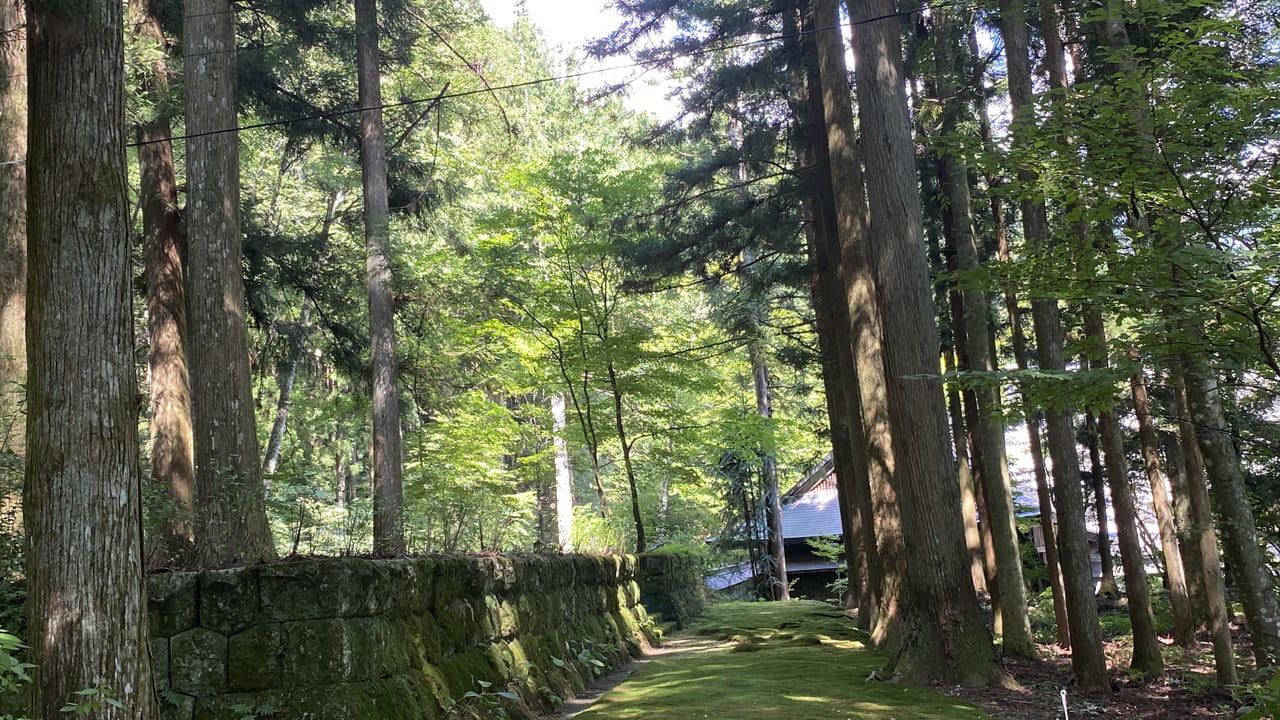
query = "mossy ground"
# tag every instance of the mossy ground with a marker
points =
(798, 660)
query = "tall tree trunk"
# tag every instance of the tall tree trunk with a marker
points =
(944, 637)
(564, 475)
(86, 608)
(297, 346)
(172, 449)
(1107, 586)
(831, 307)
(1184, 625)
(1239, 534)
(636, 517)
(953, 174)
(852, 523)
(1087, 661)
(1203, 405)
(1146, 646)
(973, 539)
(231, 519)
(1205, 540)
(1184, 524)
(13, 224)
(769, 473)
(285, 378)
(966, 424)
(888, 563)
(1031, 419)
(388, 460)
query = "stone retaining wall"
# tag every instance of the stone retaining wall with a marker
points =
(671, 585)
(408, 639)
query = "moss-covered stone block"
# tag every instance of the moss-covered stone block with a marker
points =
(322, 588)
(229, 599)
(405, 585)
(334, 650)
(171, 603)
(160, 663)
(424, 636)
(198, 662)
(502, 618)
(254, 658)
(462, 670)
(449, 581)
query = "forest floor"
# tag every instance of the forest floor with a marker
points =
(1187, 691)
(793, 661)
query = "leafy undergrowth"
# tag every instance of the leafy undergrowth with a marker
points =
(797, 660)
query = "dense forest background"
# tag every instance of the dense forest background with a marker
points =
(400, 283)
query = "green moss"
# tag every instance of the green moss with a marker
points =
(816, 672)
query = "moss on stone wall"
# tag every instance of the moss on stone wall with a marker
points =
(670, 584)
(356, 639)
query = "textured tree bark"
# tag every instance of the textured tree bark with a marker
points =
(953, 174)
(973, 539)
(388, 460)
(852, 523)
(1206, 541)
(1044, 496)
(231, 519)
(857, 276)
(944, 637)
(564, 475)
(13, 222)
(1146, 647)
(849, 444)
(769, 473)
(1239, 534)
(86, 609)
(172, 448)
(1107, 586)
(1184, 625)
(1087, 661)
(969, 448)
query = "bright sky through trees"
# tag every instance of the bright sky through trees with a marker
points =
(571, 25)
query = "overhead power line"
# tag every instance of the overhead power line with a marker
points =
(646, 64)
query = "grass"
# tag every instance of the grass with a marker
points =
(798, 660)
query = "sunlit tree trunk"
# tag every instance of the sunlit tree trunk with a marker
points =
(172, 450)
(944, 637)
(1183, 619)
(388, 460)
(769, 473)
(1188, 542)
(973, 539)
(1204, 538)
(888, 562)
(849, 448)
(230, 518)
(86, 608)
(564, 475)
(1087, 661)
(13, 222)
(988, 423)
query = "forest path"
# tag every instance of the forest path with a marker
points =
(798, 660)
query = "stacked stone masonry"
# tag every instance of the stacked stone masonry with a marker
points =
(406, 639)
